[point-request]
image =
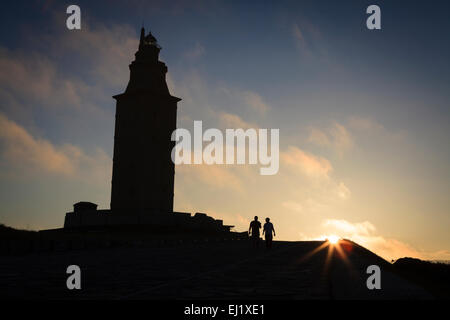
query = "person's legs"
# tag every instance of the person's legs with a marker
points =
(255, 240)
(268, 241)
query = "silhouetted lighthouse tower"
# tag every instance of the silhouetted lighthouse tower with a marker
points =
(143, 172)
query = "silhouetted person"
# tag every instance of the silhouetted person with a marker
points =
(268, 230)
(255, 225)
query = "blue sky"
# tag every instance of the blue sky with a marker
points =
(363, 115)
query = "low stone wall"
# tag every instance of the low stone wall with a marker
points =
(66, 242)
(97, 218)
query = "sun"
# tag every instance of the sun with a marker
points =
(333, 239)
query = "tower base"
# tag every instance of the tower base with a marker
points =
(86, 215)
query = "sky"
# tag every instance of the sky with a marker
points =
(363, 114)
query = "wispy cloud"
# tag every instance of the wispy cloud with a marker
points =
(292, 205)
(35, 78)
(233, 121)
(195, 52)
(369, 125)
(312, 174)
(256, 102)
(39, 83)
(300, 40)
(21, 152)
(310, 41)
(362, 228)
(306, 163)
(216, 176)
(102, 52)
(217, 105)
(343, 191)
(336, 136)
(20, 149)
(364, 123)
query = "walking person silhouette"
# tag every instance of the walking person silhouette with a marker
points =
(268, 230)
(255, 225)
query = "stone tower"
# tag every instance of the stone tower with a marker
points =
(143, 172)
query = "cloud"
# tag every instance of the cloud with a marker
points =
(365, 234)
(300, 40)
(195, 52)
(342, 191)
(57, 117)
(342, 139)
(365, 124)
(336, 136)
(233, 121)
(27, 154)
(306, 163)
(319, 137)
(297, 33)
(217, 105)
(217, 176)
(103, 52)
(310, 42)
(61, 85)
(34, 78)
(371, 126)
(98, 53)
(317, 190)
(255, 101)
(21, 149)
(363, 228)
(292, 205)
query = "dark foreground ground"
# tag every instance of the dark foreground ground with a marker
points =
(213, 269)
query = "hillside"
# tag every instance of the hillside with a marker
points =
(202, 268)
(433, 276)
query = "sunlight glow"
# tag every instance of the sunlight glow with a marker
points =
(337, 248)
(333, 239)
